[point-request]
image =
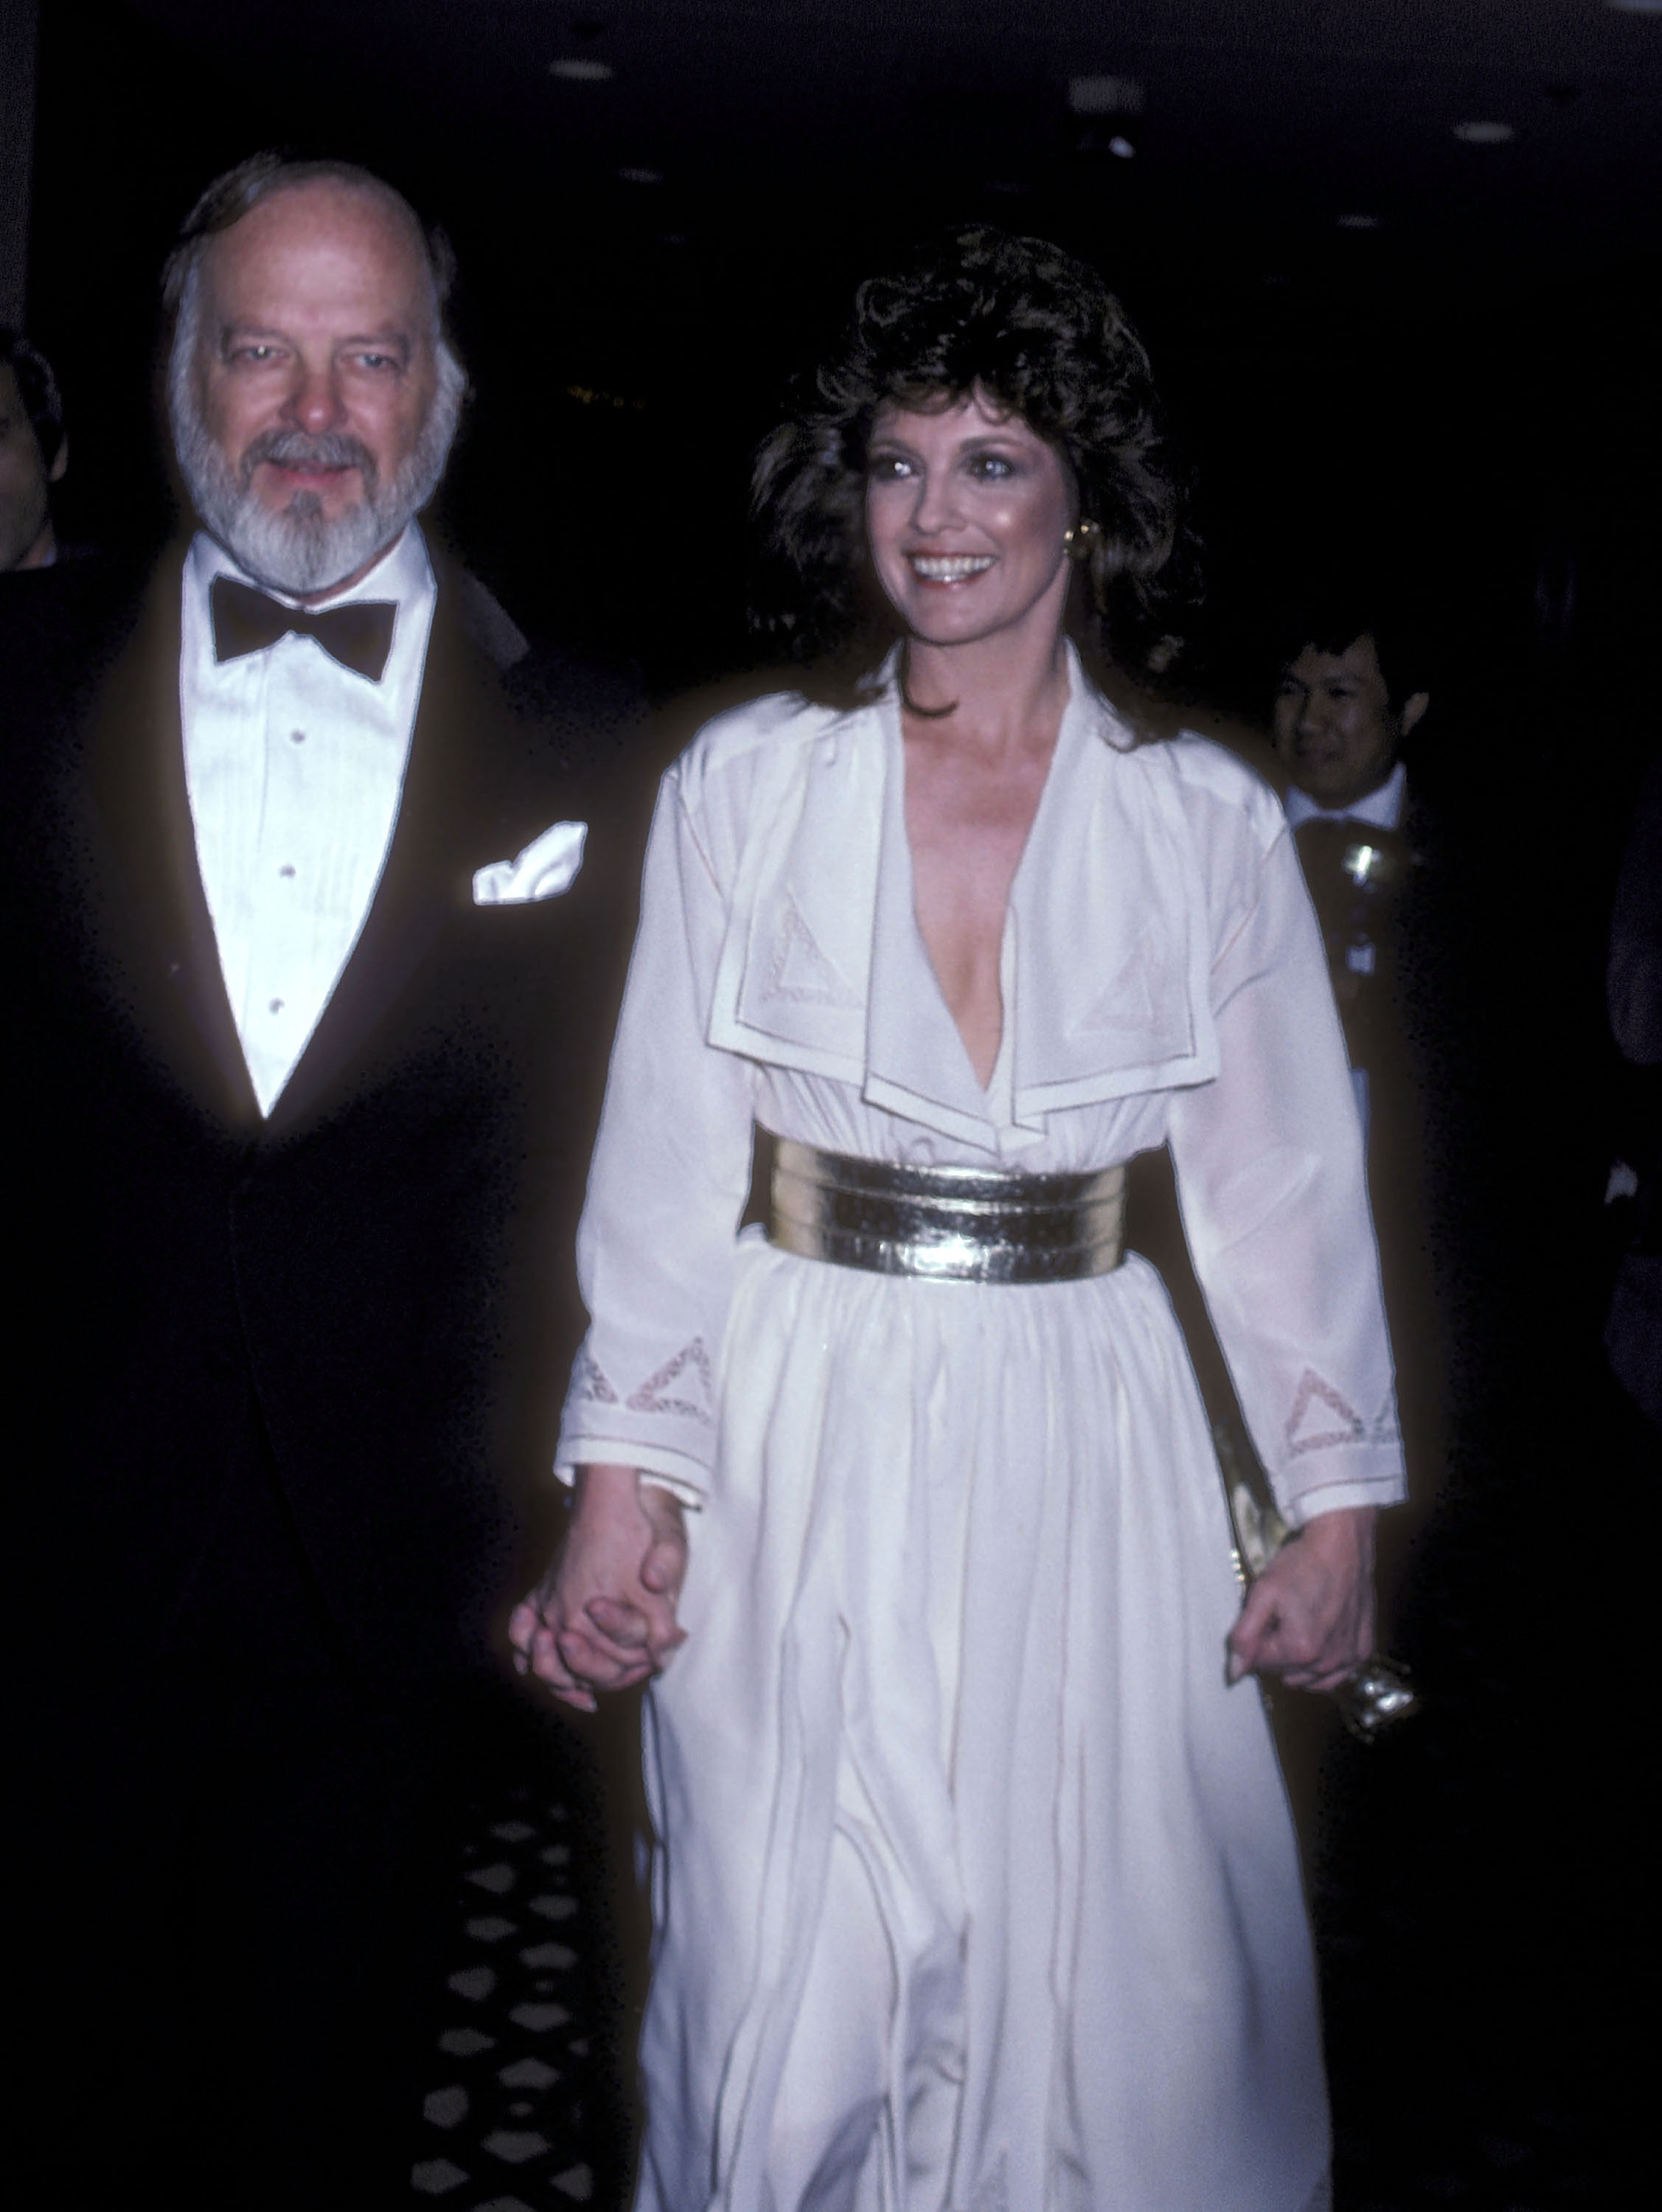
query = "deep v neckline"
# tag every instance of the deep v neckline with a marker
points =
(822, 967)
(998, 1083)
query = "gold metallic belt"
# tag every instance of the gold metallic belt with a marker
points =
(954, 1224)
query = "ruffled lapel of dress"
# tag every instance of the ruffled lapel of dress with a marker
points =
(1113, 954)
(1105, 959)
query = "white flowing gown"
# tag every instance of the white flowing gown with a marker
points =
(976, 1889)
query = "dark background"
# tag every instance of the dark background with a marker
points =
(1377, 340)
(1472, 382)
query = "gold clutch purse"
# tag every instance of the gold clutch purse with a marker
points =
(1380, 1694)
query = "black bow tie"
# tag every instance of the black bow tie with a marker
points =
(359, 634)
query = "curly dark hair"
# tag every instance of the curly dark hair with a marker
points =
(1041, 335)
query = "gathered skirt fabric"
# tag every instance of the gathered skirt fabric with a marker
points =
(976, 1890)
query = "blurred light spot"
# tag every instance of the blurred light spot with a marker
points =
(577, 68)
(490, 1928)
(1483, 133)
(515, 2145)
(446, 2108)
(1122, 149)
(473, 1983)
(434, 2176)
(529, 2074)
(641, 176)
(1105, 95)
(1358, 222)
(550, 1955)
(587, 396)
(465, 2043)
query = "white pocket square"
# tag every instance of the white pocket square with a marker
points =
(547, 866)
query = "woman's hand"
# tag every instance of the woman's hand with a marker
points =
(1309, 1617)
(603, 1617)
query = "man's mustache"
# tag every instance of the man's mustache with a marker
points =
(295, 449)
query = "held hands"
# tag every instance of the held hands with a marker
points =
(1309, 1616)
(603, 1617)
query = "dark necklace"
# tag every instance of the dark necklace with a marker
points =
(923, 714)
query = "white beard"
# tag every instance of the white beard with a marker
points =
(298, 549)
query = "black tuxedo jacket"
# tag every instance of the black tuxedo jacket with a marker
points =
(378, 1277)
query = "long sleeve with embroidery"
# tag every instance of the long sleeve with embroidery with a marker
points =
(668, 1182)
(1269, 1167)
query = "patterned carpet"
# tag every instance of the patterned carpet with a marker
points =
(522, 2113)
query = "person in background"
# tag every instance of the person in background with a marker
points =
(1350, 693)
(34, 452)
(309, 986)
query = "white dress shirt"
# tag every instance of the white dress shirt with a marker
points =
(1381, 809)
(294, 767)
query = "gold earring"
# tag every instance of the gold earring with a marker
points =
(1079, 538)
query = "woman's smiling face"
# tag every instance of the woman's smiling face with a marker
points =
(966, 509)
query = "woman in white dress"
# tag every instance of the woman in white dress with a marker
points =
(976, 1889)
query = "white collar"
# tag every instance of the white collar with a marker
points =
(824, 967)
(1381, 809)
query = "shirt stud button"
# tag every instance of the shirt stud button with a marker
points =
(297, 737)
(285, 871)
(277, 1006)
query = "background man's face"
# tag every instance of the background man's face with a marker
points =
(24, 511)
(1334, 727)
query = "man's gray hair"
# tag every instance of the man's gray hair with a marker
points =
(240, 189)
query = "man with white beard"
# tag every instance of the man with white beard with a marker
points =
(311, 974)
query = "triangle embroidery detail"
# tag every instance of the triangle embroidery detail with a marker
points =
(1313, 1392)
(1386, 1429)
(588, 1381)
(799, 970)
(649, 1397)
(1128, 1004)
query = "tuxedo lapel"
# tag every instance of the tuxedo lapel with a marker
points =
(144, 888)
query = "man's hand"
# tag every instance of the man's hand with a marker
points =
(1309, 1617)
(603, 1617)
